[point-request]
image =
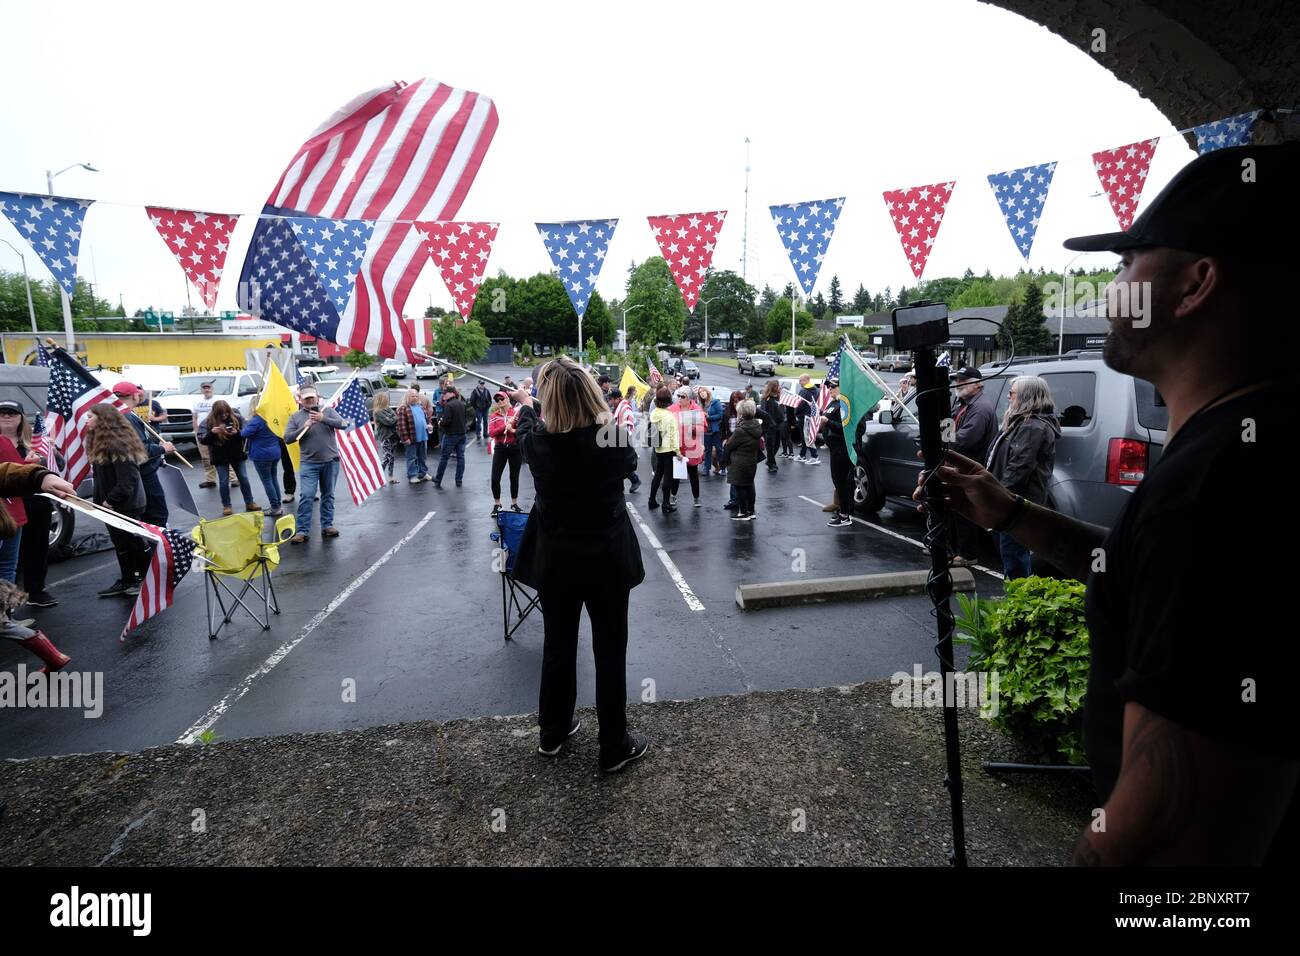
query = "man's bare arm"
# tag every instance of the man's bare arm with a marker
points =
(1183, 797)
(1068, 543)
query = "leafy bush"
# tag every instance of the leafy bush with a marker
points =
(1036, 640)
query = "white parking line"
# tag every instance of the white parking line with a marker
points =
(81, 574)
(902, 537)
(239, 690)
(687, 594)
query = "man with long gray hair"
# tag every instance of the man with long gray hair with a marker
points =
(1022, 456)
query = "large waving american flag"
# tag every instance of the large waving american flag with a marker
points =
(173, 554)
(388, 158)
(357, 450)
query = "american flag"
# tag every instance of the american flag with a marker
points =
(687, 242)
(173, 554)
(806, 229)
(40, 440)
(577, 250)
(1021, 194)
(199, 241)
(357, 449)
(918, 213)
(1233, 131)
(390, 157)
(812, 424)
(625, 415)
(52, 226)
(72, 393)
(1122, 172)
(654, 376)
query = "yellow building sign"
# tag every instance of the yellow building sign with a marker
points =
(192, 353)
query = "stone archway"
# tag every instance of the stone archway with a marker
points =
(1196, 60)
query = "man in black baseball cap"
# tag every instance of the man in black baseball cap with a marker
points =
(1188, 726)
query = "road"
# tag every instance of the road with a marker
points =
(405, 608)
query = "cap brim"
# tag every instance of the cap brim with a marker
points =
(1105, 242)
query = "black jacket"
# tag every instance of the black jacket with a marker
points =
(230, 449)
(1022, 457)
(118, 485)
(810, 393)
(579, 532)
(832, 433)
(976, 427)
(452, 419)
(775, 412)
(480, 399)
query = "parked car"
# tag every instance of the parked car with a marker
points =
(755, 364)
(1112, 432)
(239, 387)
(429, 370)
(771, 356)
(394, 368)
(371, 383)
(871, 358)
(795, 358)
(897, 362)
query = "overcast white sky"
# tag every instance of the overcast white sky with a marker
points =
(607, 109)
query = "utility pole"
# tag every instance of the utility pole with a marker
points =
(744, 236)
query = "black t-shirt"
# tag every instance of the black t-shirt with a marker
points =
(1192, 603)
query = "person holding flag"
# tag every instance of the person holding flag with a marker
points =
(34, 549)
(835, 438)
(312, 429)
(625, 418)
(503, 443)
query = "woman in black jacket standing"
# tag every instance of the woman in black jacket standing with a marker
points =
(775, 424)
(1022, 457)
(579, 548)
(220, 432)
(116, 454)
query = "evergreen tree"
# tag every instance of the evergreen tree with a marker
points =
(818, 307)
(836, 301)
(1027, 325)
(862, 301)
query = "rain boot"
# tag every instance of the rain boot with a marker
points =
(40, 645)
(835, 503)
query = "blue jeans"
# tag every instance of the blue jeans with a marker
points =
(452, 444)
(1016, 562)
(482, 425)
(266, 470)
(9, 556)
(712, 443)
(415, 460)
(310, 475)
(223, 483)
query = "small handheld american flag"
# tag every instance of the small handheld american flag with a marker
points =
(172, 556)
(72, 393)
(357, 449)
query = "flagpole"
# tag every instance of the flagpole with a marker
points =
(462, 369)
(346, 382)
(875, 376)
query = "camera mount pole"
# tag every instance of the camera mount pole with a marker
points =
(933, 407)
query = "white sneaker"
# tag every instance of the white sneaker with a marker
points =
(416, 481)
(814, 461)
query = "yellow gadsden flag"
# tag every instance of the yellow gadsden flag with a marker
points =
(276, 405)
(631, 386)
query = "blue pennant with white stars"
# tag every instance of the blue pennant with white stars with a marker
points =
(1020, 194)
(806, 229)
(577, 250)
(1232, 131)
(52, 225)
(335, 248)
(301, 271)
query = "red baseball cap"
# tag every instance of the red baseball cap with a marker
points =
(124, 389)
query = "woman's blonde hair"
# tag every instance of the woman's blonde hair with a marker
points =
(382, 400)
(113, 438)
(570, 397)
(704, 394)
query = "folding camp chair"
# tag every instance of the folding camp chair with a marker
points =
(510, 530)
(233, 548)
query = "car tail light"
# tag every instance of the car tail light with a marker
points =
(1126, 461)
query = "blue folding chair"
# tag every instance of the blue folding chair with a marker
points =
(510, 531)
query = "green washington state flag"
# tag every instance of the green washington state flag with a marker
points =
(860, 393)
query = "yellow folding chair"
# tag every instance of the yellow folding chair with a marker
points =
(233, 548)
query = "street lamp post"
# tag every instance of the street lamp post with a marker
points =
(706, 323)
(31, 310)
(625, 312)
(67, 302)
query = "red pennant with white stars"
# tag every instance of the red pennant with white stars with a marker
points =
(1123, 172)
(687, 242)
(460, 250)
(199, 241)
(917, 213)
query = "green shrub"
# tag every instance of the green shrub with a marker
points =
(1036, 640)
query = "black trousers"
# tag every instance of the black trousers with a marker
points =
(842, 477)
(561, 611)
(663, 474)
(745, 499)
(132, 554)
(692, 475)
(772, 439)
(287, 478)
(503, 455)
(34, 549)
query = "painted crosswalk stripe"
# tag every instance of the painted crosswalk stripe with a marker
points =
(688, 595)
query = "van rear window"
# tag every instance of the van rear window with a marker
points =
(1153, 413)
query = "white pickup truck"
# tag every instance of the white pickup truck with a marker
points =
(796, 359)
